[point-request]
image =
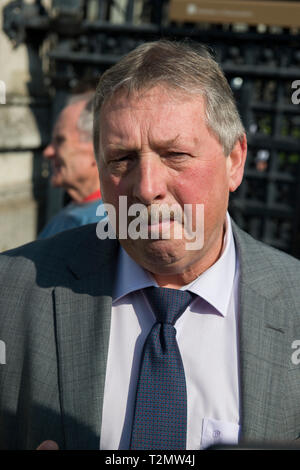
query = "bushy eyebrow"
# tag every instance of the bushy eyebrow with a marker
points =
(158, 144)
(166, 143)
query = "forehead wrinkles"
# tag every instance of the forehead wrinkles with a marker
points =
(120, 126)
(124, 126)
(143, 117)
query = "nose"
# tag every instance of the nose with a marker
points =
(150, 180)
(49, 151)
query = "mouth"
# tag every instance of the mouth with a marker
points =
(161, 230)
(157, 222)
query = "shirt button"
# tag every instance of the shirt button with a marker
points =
(216, 434)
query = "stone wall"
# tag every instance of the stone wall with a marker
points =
(24, 131)
(26, 199)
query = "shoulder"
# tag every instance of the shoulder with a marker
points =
(71, 216)
(270, 271)
(85, 212)
(50, 260)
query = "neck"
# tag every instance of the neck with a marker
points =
(81, 195)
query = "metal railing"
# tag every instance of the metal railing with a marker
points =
(263, 69)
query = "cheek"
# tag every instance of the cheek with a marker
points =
(206, 185)
(110, 187)
(196, 185)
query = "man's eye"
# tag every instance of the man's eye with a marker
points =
(120, 164)
(59, 140)
(122, 158)
(176, 154)
(115, 160)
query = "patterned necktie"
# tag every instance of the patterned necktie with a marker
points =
(161, 401)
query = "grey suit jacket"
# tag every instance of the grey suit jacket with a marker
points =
(55, 308)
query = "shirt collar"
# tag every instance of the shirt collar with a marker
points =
(214, 285)
(92, 197)
(130, 276)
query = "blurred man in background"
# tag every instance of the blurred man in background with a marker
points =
(73, 165)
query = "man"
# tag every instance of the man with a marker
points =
(75, 313)
(73, 165)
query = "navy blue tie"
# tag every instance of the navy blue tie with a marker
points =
(161, 402)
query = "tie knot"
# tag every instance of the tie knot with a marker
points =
(168, 304)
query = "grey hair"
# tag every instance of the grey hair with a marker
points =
(85, 120)
(178, 66)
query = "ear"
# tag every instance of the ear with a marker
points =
(235, 164)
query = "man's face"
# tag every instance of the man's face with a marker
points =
(155, 148)
(70, 156)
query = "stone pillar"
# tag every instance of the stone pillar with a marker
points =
(24, 131)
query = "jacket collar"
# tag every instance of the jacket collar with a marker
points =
(263, 341)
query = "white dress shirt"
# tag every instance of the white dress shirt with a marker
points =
(207, 336)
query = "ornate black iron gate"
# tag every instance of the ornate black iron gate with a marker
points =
(263, 69)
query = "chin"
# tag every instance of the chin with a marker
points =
(158, 255)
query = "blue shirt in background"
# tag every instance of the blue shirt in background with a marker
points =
(71, 216)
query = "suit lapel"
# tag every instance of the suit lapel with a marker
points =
(263, 344)
(262, 361)
(83, 312)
